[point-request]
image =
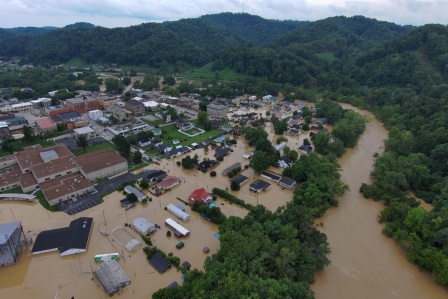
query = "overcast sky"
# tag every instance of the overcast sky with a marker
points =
(123, 13)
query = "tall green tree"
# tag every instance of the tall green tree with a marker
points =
(123, 145)
(81, 141)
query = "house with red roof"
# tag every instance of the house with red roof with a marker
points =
(200, 195)
(168, 182)
(45, 124)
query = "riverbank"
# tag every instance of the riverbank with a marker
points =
(364, 262)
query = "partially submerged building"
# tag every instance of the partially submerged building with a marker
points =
(12, 242)
(143, 226)
(68, 240)
(112, 277)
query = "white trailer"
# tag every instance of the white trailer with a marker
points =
(178, 212)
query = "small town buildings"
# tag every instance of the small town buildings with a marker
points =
(259, 185)
(45, 124)
(178, 230)
(287, 183)
(154, 175)
(69, 117)
(168, 182)
(135, 107)
(86, 131)
(222, 152)
(201, 196)
(41, 102)
(76, 104)
(178, 212)
(95, 114)
(159, 262)
(132, 190)
(143, 226)
(231, 168)
(100, 164)
(4, 130)
(68, 240)
(130, 128)
(216, 111)
(65, 187)
(118, 112)
(112, 277)
(151, 105)
(105, 101)
(55, 110)
(12, 242)
(207, 165)
(240, 179)
(305, 149)
(144, 141)
(17, 108)
(271, 176)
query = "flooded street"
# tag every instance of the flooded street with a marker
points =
(364, 262)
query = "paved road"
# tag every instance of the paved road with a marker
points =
(87, 201)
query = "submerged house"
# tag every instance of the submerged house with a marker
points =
(112, 277)
(68, 240)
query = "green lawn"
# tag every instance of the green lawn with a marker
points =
(206, 72)
(153, 122)
(95, 148)
(13, 190)
(44, 202)
(18, 145)
(170, 133)
(138, 166)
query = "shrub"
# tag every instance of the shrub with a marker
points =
(168, 233)
(213, 173)
(234, 185)
(220, 158)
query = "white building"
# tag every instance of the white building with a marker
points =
(95, 114)
(143, 226)
(178, 229)
(87, 131)
(178, 212)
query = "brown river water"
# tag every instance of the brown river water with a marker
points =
(365, 263)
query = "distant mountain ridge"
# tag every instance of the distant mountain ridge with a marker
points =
(46, 29)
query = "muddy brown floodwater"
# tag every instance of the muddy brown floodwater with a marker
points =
(364, 262)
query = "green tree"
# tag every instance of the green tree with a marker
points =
(189, 163)
(279, 126)
(169, 80)
(81, 141)
(7, 147)
(137, 157)
(260, 161)
(126, 81)
(234, 185)
(28, 133)
(114, 85)
(144, 184)
(202, 117)
(122, 144)
(60, 127)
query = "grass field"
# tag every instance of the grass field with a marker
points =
(171, 133)
(20, 144)
(206, 72)
(94, 148)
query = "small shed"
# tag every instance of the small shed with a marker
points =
(112, 277)
(159, 262)
(186, 265)
(143, 226)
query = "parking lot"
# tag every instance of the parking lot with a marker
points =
(87, 201)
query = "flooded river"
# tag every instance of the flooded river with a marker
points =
(364, 262)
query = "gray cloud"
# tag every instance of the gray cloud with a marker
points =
(113, 13)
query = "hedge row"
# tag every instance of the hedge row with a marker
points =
(234, 199)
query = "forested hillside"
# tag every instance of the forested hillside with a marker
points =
(252, 29)
(187, 41)
(398, 72)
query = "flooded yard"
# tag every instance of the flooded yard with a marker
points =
(365, 263)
